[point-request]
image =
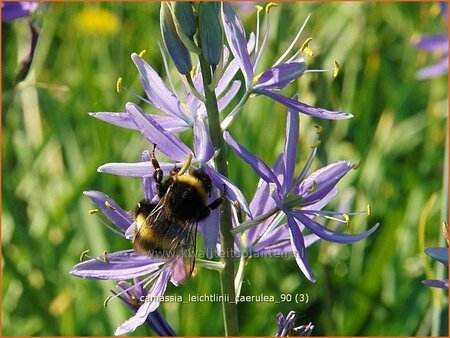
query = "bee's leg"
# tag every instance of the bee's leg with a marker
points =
(174, 171)
(158, 173)
(218, 201)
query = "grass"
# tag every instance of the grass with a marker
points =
(51, 149)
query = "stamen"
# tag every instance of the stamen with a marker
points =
(445, 230)
(119, 85)
(186, 164)
(109, 206)
(305, 49)
(316, 144)
(347, 219)
(83, 255)
(93, 211)
(141, 54)
(368, 210)
(105, 302)
(105, 256)
(337, 68)
(313, 187)
(258, 14)
(319, 129)
(269, 6)
(117, 232)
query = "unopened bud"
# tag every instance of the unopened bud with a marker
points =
(175, 47)
(210, 32)
(184, 14)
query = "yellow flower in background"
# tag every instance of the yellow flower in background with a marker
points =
(96, 21)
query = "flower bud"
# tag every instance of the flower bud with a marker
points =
(210, 32)
(184, 14)
(175, 47)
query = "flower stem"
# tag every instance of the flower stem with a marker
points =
(227, 274)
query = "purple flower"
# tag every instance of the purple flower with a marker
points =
(16, 10)
(134, 297)
(435, 44)
(299, 200)
(273, 79)
(440, 254)
(286, 326)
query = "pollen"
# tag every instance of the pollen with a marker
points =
(105, 302)
(368, 210)
(347, 219)
(259, 8)
(93, 211)
(356, 165)
(109, 206)
(316, 144)
(119, 85)
(186, 164)
(105, 256)
(83, 254)
(141, 54)
(305, 49)
(270, 5)
(336, 69)
(319, 128)
(313, 187)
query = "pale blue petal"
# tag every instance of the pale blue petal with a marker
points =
(304, 108)
(114, 213)
(203, 146)
(235, 33)
(279, 76)
(166, 142)
(256, 163)
(136, 169)
(121, 265)
(157, 290)
(330, 235)
(290, 148)
(438, 253)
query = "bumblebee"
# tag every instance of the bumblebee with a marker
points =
(168, 228)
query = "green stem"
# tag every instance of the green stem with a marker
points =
(227, 274)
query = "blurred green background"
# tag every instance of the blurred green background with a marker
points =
(51, 149)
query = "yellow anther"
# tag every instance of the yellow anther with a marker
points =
(93, 211)
(83, 254)
(119, 85)
(186, 164)
(305, 49)
(316, 144)
(368, 210)
(270, 5)
(347, 219)
(337, 68)
(313, 187)
(356, 165)
(259, 8)
(109, 206)
(134, 300)
(105, 256)
(141, 54)
(105, 303)
(319, 128)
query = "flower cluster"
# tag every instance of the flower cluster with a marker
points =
(281, 217)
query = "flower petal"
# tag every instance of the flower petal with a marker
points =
(156, 90)
(136, 169)
(317, 185)
(298, 248)
(167, 143)
(436, 69)
(330, 235)
(256, 163)
(232, 192)
(279, 76)
(290, 148)
(157, 290)
(235, 33)
(148, 182)
(441, 284)
(210, 230)
(304, 108)
(110, 209)
(438, 253)
(203, 146)
(121, 265)
(434, 43)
